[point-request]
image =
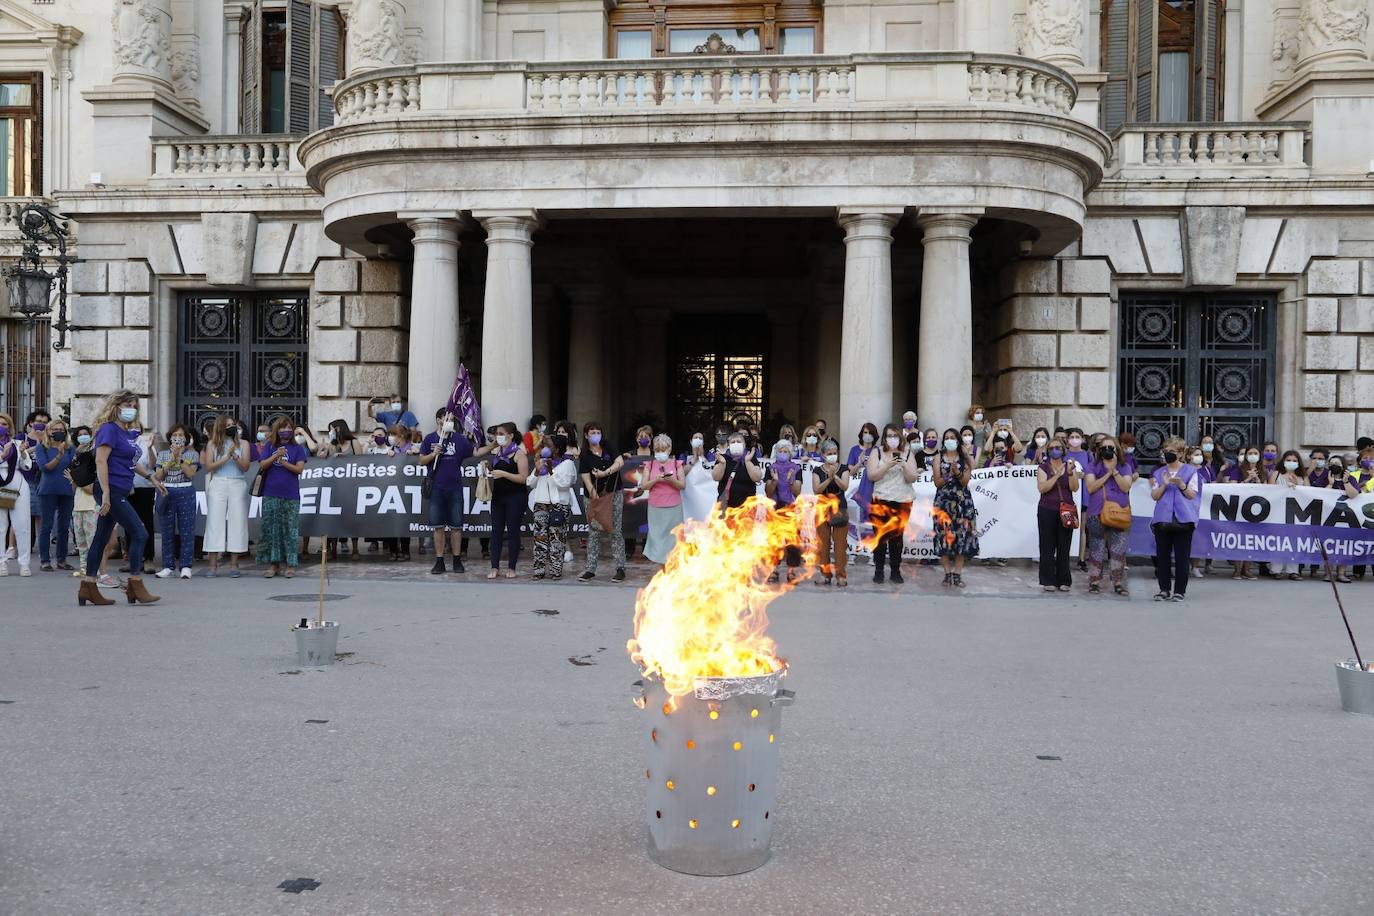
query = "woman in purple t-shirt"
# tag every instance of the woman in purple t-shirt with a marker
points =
(283, 458)
(116, 462)
(1109, 478)
(1174, 487)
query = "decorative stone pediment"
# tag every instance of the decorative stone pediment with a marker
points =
(21, 27)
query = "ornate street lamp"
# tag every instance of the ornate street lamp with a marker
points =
(28, 280)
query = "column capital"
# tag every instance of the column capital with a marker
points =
(436, 225)
(947, 222)
(868, 222)
(514, 225)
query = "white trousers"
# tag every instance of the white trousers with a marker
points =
(19, 516)
(226, 515)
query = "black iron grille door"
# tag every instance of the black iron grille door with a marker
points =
(1194, 365)
(713, 388)
(244, 353)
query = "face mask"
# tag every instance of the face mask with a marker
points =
(1040, 441)
(1253, 459)
(832, 458)
(83, 439)
(660, 456)
(784, 457)
(1319, 463)
(502, 440)
(1197, 459)
(1109, 452)
(1170, 457)
(1270, 456)
(1336, 467)
(448, 426)
(232, 432)
(950, 445)
(908, 424)
(283, 434)
(968, 438)
(262, 436)
(643, 442)
(4, 434)
(1003, 437)
(178, 441)
(1290, 465)
(866, 438)
(379, 438)
(893, 441)
(300, 440)
(736, 448)
(333, 436)
(812, 440)
(698, 442)
(1208, 447)
(594, 438)
(978, 418)
(1056, 453)
(542, 428)
(128, 414)
(821, 432)
(1075, 443)
(396, 406)
(1367, 463)
(39, 427)
(1130, 449)
(999, 449)
(546, 452)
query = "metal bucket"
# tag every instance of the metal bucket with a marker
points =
(711, 771)
(316, 645)
(1357, 688)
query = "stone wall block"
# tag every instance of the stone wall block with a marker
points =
(137, 378)
(98, 380)
(88, 346)
(337, 276)
(326, 311)
(1087, 351)
(1085, 276)
(1033, 351)
(1366, 277)
(1337, 277)
(1044, 313)
(1332, 430)
(1026, 419)
(138, 311)
(1366, 353)
(1357, 315)
(373, 310)
(1086, 418)
(1094, 389)
(129, 277)
(371, 381)
(1319, 390)
(1033, 275)
(230, 241)
(1364, 425)
(1331, 353)
(90, 277)
(1322, 315)
(335, 346)
(1357, 391)
(99, 311)
(383, 276)
(129, 345)
(84, 407)
(1095, 313)
(1030, 386)
(382, 346)
(326, 381)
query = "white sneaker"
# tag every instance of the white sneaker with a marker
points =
(10, 554)
(25, 572)
(567, 556)
(4, 567)
(164, 573)
(185, 572)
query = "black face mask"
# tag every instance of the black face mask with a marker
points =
(1108, 452)
(58, 437)
(1170, 457)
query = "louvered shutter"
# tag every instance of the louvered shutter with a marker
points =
(299, 38)
(1206, 88)
(329, 61)
(1116, 49)
(250, 110)
(1146, 30)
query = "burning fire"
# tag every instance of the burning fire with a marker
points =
(703, 614)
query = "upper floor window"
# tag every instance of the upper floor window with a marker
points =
(671, 28)
(1163, 60)
(292, 53)
(21, 135)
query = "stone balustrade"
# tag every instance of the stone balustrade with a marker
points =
(1226, 150)
(936, 78)
(242, 161)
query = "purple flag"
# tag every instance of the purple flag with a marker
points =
(462, 403)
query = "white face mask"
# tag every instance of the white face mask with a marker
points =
(1207, 447)
(396, 406)
(978, 418)
(300, 440)
(950, 445)
(1040, 441)
(1130, 449)
(893, 441)
(1197, 459)
(968, 439)
(333, 436)
(178, 441)
(866, 438)
(1290, 465)
(1253, 459)
(832, 458)
(395, 440)
(660, 456)
(697, 442)
(1319, 463)
(812, 440)
(448, 426)
(502, 440)
(737, 448)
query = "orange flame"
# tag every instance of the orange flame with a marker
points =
(703, 614)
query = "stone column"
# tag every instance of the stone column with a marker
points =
(784, 365)
(1054, 32)
(866, 341)
(1332, 32)
(586, 358)
(141, 35)
(944, 350)
(376, 37)
(507, 324)
(433, 351)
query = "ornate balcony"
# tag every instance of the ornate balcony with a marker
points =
(233, 161)
(1187, 152)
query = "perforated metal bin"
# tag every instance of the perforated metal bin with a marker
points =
(711, 770)
(1357, 688)
(316, 646)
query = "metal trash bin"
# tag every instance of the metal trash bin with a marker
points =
(711, 772)
(316, 645)
(1357, 687)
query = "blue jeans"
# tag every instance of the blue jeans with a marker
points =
(125, 516)
(506, 514)
(176, 514)
(54, 508)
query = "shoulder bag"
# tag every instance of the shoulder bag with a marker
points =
(1114, 515)
(1068, 512)
(482, 491)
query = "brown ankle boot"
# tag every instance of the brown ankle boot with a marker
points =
(90, 591)
(137, 593)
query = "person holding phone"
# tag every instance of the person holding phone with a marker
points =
(737, 477)
(279, 536)
(1057, 478)
(893, 469)
(663, 478)
(1174, 488)
(600, 467)
(1247, 469)
(550, 482)
(53, 456)
(176, 507)
(830, 483)
(955, 516)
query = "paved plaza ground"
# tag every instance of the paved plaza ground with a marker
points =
(1001, 751)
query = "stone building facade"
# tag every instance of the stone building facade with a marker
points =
(1154, 215)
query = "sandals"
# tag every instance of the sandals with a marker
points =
(958, 581)
(290, 572)
(510, 574)
(1094, 589)
(1122, 590)
(842, 582)
(948, 580)
(493, 574)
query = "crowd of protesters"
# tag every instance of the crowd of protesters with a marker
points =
(66, 491)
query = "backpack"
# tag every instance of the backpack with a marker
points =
(83, 469)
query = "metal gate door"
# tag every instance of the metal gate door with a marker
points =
(1194, 365)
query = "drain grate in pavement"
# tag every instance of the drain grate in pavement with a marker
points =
(296, 885)
(314, 597)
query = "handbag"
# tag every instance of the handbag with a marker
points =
(9, 498)
(601, 512)
(1114, 515)
(482, 491)
(1068, 515)
(558, 517)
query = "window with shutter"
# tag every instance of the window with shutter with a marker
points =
(300, 36)
(1143, 70)
(292, 53)
(1116, 46)
(329, 31)
(250, 112)
(1163, 59)
(1207, 38)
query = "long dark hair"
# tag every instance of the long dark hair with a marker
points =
(870, 428)
(965, 459)
(342, 433)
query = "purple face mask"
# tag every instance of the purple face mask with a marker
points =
(930, 443)
(1056, 453)
(39, 427)
(908, 424)
(1367, 463)
(546, 452)
(594, 438)
(283, 434)
(643, 442)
